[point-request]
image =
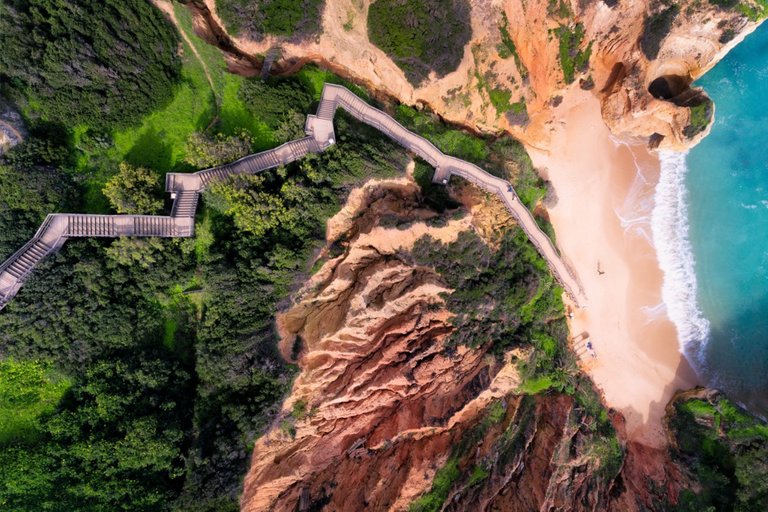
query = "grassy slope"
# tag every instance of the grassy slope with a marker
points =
(159, 141)
(28, 390)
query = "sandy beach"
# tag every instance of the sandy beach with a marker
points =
(604, 194)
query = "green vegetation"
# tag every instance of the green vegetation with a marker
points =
(134, 190)
(31, 186)
(421, 36)
(435, 196)
(493, 287)
(105, 64)
(572, 57)
(478, 475)
(441, 485)
(726, 448)
(173, 375)
(28, 391)
(501, 100)
(701, 117)
(455, 142)
(507, 47)
(753, 10)
(559, 9)
(655, 29)
(204, 150)
(290, 18)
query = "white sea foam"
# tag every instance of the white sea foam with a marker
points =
(635, 213)
(669, 222)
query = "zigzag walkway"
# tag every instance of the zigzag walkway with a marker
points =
(185, 190)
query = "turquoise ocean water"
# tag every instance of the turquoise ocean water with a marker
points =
(711, 231)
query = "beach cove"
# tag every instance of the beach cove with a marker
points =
(602, 214)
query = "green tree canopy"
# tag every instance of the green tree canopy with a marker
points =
(134, 190)
(103, 63)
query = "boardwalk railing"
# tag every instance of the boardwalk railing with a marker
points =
(185, 189)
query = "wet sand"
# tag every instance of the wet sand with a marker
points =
(604, 194)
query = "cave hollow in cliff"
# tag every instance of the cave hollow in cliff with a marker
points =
(667, 87)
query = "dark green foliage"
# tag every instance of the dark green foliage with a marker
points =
(421, 36)
(299, 18)
(572, 57)
(281, 104)
(701, 116)
(655, 29)
(31, 186)
(753, 10)
(169, 345)
(102, 63)
(435, 195)
(501, 297)
(727, 449)
(116, 441)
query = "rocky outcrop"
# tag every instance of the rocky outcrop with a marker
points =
(518, 48)
(383, 406)
(12, 130)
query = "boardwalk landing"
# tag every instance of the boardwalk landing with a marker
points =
(185, 190)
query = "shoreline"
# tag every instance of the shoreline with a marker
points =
(605, 195)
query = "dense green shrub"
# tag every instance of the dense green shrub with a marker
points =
(204, 150)
(726, 448)
(511, 286)
(299, 18)
(134, 190)
(31, 185)
(421, 36)
(701, 116)
(655, 29)
(104, 64)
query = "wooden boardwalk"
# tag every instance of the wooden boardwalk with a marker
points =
(185, 191)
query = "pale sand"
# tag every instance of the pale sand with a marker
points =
(638, 365)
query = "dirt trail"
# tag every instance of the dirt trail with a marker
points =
(167, 7)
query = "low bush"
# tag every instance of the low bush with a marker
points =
(655, 28)
(421, 36)
(257, 18)
(701, 116)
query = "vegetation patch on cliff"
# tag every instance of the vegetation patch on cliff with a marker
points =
(573, 58)
(504, 156)
(726, 448)
(507, 47)
(701, 117)
(656, 27)
(255, 19)
(421, 36)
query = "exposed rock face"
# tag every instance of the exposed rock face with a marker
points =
(382, 404)
(12, 129)
(625, 61)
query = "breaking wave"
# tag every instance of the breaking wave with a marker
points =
(669, 221)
